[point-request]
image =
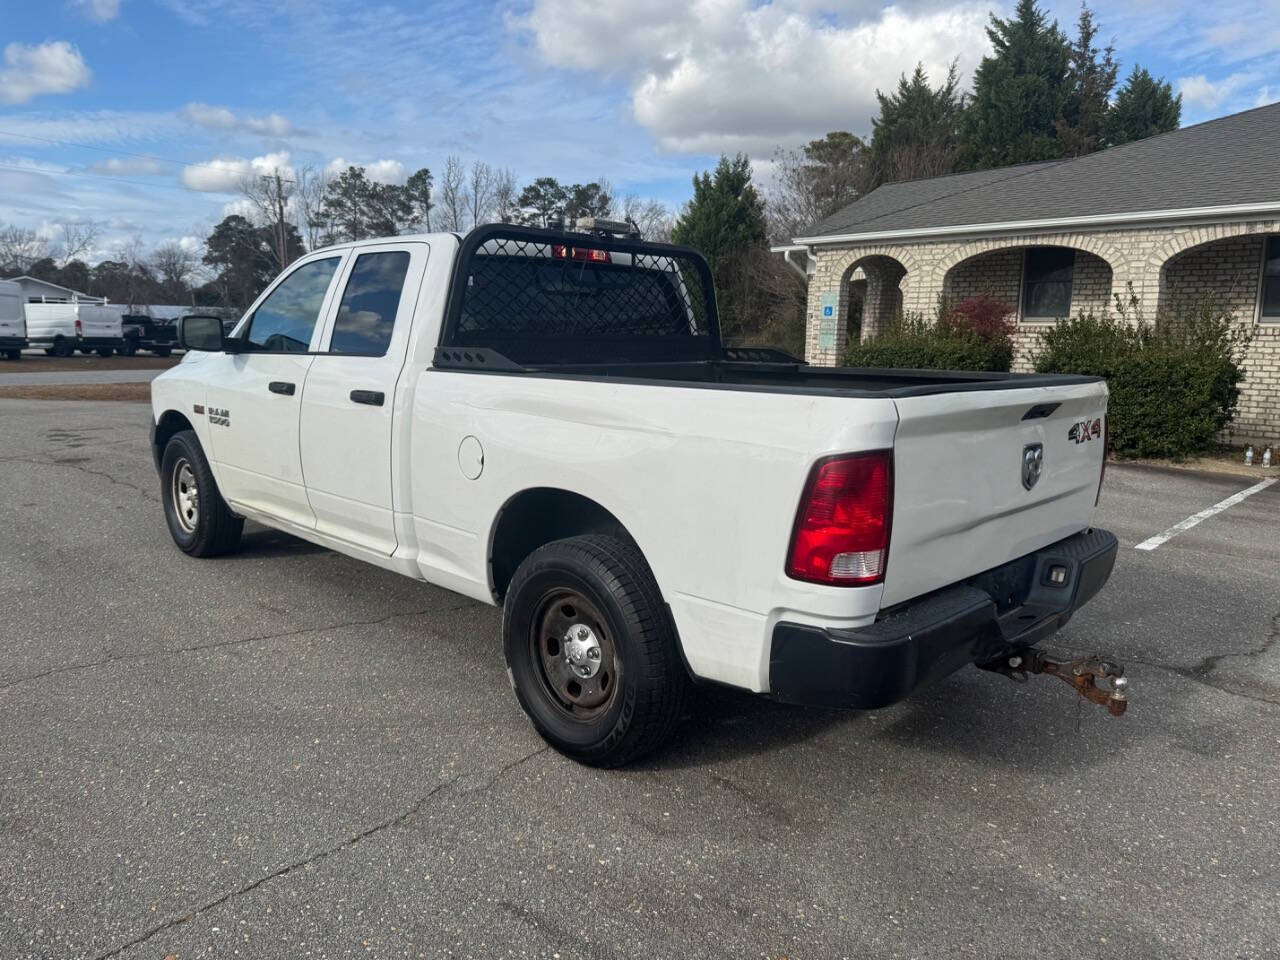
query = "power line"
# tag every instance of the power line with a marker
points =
(89, 146)
(100, 176)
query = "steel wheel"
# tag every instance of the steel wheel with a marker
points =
(574, 655)
(186, 495)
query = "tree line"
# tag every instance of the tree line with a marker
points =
(1039, 95)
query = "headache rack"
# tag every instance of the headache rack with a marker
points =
(523, 297)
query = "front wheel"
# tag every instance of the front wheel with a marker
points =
(200, 521)
(592, 654)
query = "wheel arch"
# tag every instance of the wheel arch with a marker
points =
(171, 422)
(536, 516)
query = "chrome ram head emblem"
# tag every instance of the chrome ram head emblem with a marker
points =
(1032, 463)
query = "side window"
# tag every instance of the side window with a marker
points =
(1271, 281)
(285, 320)
(367, 313)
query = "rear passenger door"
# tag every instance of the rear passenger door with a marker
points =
(349, 414)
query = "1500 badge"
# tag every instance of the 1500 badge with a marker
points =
(1084, 431)
(219, 417)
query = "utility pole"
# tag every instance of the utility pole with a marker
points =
(275, 184)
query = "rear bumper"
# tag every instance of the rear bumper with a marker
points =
(13, 343)
(975, 621)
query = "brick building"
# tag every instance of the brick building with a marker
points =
(1177, 217)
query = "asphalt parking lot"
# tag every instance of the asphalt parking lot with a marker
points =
(286, 753)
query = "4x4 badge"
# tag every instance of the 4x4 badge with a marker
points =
(1032, 463)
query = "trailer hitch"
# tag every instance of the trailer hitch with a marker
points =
(1082, 674)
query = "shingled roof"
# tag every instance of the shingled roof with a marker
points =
(1229, 162)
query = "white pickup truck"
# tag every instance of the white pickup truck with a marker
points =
(549, 421)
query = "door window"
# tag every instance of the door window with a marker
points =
(367, 314)
(285, 320)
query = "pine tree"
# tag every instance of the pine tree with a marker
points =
(1091, 76)
(1019, 92)
(917, 133)
(1144, 107)
(726, 213)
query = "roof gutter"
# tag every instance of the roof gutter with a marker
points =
(1237, 210)
(806, 269)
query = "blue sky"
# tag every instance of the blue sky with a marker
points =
(143, 113)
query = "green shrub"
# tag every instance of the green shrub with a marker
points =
(1174, 383)
(970, 335)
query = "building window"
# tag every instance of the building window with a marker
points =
(1046, 283)
(1271, 281)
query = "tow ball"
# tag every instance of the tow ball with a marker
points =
(1082, 674)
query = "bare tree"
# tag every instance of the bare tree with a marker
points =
(271, 196)
(76, 238)
(173, 264)
(480, 192)
(504, 208)
(650, 217)
(451, 208)
(129, 253)
(308, 201)
(20, 247)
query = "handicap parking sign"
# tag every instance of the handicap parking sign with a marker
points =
(828, 311)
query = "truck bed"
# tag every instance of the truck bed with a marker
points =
(768, 376)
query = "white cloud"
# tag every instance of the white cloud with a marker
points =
(1199, 91)
(714, 75)
(221, 118)
(380, 171)
(225, 174)
(99, 11)
(28, 72)
(128, 166)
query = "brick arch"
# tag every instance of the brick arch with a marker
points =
(848, 260)
(1090, 243)
(1182, 241)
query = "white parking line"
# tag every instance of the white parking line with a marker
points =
(1195, 518)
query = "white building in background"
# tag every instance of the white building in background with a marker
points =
(42, 291)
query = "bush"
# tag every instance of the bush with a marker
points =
(973, 334)
(1174, 384)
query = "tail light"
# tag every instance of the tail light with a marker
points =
(1106, 452)
(562, 252)
(841, 535)
(79, 329)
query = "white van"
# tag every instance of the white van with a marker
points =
(63, 328)
(13, 324)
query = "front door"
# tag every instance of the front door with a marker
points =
(253, 400)
(348, 403)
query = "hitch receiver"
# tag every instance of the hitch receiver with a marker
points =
(1081, 674)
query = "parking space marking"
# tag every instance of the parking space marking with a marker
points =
(1153, 542)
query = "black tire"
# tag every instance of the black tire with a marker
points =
(162, 351)
(604, 584)
(50, 351)
(86, 350)
(63, 348)
(105, 351)
(14, 355)
(129, 349)
(213, 529)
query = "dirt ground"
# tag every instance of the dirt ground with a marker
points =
(33, 362)
(128, 392)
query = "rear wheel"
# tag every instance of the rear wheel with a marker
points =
(200, 521)
(130, 347)
(591, 651)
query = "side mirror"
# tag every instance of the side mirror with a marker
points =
(200, 332)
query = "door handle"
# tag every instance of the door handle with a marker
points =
(281, 386)
(374, 398)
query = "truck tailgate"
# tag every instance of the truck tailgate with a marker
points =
(960, 502)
